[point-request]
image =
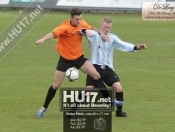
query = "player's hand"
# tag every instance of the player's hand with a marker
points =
(40, 41)
(141, 46)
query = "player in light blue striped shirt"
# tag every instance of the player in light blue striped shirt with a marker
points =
(102, 52)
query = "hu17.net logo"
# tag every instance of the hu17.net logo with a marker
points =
(158, 10)
(86, 100)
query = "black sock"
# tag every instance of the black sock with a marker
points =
(50, 95)
(119, 97)
(99, 83)
(104, 92)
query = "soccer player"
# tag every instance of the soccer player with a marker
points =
(102, 58)
(71, 55)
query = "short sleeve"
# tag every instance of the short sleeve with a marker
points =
(59, 30)
(85, 25)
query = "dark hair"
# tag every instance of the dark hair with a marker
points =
(75, 11)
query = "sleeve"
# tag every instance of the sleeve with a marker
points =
(93, 33)
(87, 26)
(59, 30)
(123, 46)
(83, 31)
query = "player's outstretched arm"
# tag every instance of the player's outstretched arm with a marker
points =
(141, 46)
(47, 37)
(104, 37)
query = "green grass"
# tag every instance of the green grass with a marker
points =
(147, 76)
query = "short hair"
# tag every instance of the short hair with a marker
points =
(107, 19)
(75, 11)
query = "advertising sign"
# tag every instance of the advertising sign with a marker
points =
(158, 11)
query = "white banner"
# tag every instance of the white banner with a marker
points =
(28, 0)
(105, 3)
(4, 1)
(88, 3)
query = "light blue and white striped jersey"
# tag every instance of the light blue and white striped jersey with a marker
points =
(102, 52)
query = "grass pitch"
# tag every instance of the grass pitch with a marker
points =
(147, 76)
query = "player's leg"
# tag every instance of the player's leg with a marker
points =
(112, 80)
(91, 82)
(59, 76)
(90, 70)
(86, 66)
(62, 66)
(119, 97)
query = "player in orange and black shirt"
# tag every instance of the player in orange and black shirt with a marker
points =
(71, 54)
(70, 39)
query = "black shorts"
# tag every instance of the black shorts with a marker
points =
(64, 64)
(107, 75)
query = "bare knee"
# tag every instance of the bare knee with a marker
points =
(56, 86)
(119, 90)
(59, 76)
(117, 87)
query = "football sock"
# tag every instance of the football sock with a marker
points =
(50, 95)
(102, 87)
(104, 92)
(99, 83)
(119, 97)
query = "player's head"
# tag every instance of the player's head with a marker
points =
(76, 16)
(106, 25)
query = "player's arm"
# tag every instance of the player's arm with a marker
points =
(104, 37)
(125, 46)
(46, 37)
(85, 31)
(88, 33)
